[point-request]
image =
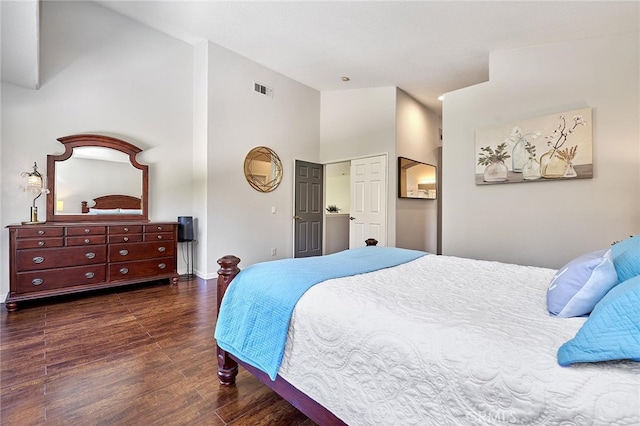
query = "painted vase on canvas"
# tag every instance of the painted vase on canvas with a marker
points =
(495, 172)
(531, 170)
(519, 156)
(552, 165)
(571, 172)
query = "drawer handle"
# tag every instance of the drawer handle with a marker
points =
(41, 243)
(159, 228)
(123, 252)
(162, 266)
(124, 271)
(89, 275)
(159, 237)
(41, 232)
(38, 259)
(37, 281)
(90, 255)
(125, 229)
(162, 249)
(126, 239)
(87, 241)
(87, 230)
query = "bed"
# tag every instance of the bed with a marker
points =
(438, 340)
(113, 204)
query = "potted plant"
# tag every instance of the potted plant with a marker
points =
(332, 208)
(495, 170)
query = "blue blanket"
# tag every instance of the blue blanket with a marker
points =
(254, 316)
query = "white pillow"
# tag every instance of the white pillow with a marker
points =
(104, 211)
(130, 211)
(580, 284)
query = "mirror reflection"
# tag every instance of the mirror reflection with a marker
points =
(263, 169)
(95, 178)
(416, 179)
(93, 172)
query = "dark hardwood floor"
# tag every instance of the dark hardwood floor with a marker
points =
(141, 355)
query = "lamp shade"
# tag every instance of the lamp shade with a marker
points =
(34, 182)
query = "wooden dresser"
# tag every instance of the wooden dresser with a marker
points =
(62, 258)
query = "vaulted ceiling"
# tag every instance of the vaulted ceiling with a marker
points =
(423, 47)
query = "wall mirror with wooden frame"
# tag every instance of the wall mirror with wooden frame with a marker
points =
(416, 179)
(96, 179)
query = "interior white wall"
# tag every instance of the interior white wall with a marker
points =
(200, 199)
(4, 250)
(360, 123)
(19, 22)
(546, 223)
(418, 138)
(239, 218)
(337, 183)
(100, 73)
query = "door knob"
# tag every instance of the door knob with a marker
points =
(297, 218)
(352, 218)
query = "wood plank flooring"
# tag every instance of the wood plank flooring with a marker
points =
(141, 355)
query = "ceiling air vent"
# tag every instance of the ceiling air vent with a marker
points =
(262, 89)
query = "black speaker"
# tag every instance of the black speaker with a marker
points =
(185, 229)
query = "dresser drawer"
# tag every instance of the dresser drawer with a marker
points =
(139, 251)
(86, 240)
(40, 231)
(36, 259)
(86, 230)
(142, 268)
(59, 278)
(39, 243)
(133, 238)
(125, 229)
(158, 236)
(158, 228)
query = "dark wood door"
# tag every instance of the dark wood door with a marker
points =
(308, 209)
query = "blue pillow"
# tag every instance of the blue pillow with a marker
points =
(626, 258)
(611, 332)
(580, 284)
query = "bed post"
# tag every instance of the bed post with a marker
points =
(371, 242)
(227, 367)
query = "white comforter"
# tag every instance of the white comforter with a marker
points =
(449, 341)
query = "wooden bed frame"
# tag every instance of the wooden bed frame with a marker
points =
(228, 363)
(113, 202)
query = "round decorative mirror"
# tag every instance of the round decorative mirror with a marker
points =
(263, 169)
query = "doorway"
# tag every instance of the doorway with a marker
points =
(338, 195)
(348, 197)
